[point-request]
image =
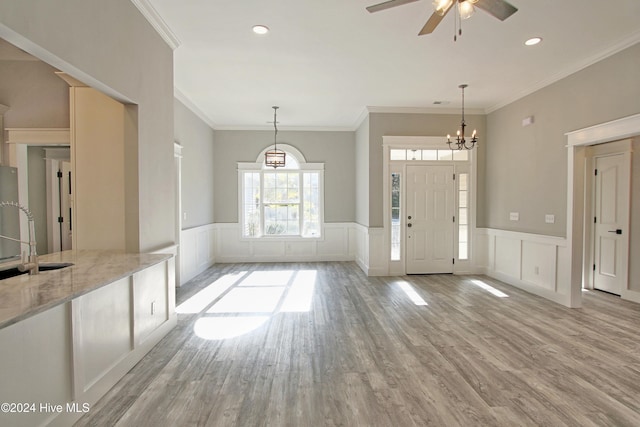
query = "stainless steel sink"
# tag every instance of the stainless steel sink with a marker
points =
(44, 266)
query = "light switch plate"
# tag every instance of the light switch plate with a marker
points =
(514, 216)
(549, 218)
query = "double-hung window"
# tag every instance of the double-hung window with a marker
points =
(286, 201)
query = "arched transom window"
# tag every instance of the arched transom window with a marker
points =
(286, 201)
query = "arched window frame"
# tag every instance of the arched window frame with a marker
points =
(258, 222)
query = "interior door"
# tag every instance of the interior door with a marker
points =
(611, 211)
(66, 203)
(429, 222)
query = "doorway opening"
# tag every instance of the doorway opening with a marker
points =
(579, 212)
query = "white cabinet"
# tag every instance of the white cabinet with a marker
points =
(69, 356)
(150, 300)
(35, 361)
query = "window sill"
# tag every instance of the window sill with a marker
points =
(281, 238)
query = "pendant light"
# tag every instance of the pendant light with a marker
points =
(460, 143)
(275, 158)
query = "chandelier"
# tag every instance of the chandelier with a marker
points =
(460, 143)
(275, 158)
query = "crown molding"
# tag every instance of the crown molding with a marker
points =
(180, 96)
(423, 110)
(288, 128)
(578, 66)
(156, 21)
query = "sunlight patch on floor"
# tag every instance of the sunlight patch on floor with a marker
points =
(300, 293)
(411, 293)
(249, 300)
(268, 278)
(244, 302)
(219, 328)
(206, 296)
(489, 288)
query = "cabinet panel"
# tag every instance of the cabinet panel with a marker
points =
(34, 355)
(104, 329)
(150, 300)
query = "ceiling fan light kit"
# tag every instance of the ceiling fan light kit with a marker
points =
(499, 9)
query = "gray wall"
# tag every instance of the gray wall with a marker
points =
(362, 173)
(397, 124)
(526, 167)
(196, 138)
(36, 97)
(335, 149)
(112, 47)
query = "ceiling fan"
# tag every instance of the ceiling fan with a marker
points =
(497, 8)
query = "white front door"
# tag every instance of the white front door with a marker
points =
(610, 234)
(429, 221)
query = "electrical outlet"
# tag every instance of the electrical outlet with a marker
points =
(549, 218)
(514, 216)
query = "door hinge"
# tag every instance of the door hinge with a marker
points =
(60, 219)
(59, 174)
(595, 219)
(453, 260)
(454, 176)
(595, 172)
(594, 267)
(454, 218)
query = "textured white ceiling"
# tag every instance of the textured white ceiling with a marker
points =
(324, 62)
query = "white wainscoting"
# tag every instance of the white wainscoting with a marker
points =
(197, 246)
(370, 253)
(337, 244)
(535, 263)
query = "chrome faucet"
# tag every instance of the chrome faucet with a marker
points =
(31, 262)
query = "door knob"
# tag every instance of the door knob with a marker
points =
(617, 231)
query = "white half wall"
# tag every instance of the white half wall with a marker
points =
(197, 246)
(535, 263)
(369, 254)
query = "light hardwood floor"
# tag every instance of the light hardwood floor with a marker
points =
(366, 354)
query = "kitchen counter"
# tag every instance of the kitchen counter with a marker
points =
(24, 296)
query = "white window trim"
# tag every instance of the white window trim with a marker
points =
(258, 167)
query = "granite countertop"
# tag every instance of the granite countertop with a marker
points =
(23, 296)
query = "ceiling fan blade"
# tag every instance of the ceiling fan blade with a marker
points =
(434, 20)
(387, 5)
(498, 8)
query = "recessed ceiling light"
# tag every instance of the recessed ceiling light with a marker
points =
(260, 29)
(533, 41)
